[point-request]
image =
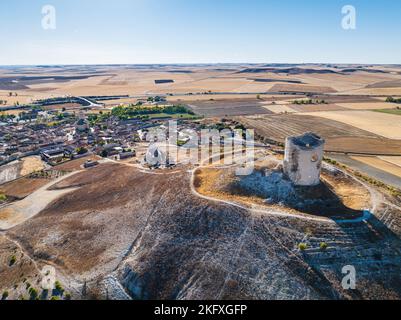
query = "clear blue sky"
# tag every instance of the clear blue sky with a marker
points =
(199, 31)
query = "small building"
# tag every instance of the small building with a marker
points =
(69, 152)
(142, 134)
(81, 125)
(90, 164)
(303, 159)
(52, 156)
(127, 155)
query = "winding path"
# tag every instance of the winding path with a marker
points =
(376, 200)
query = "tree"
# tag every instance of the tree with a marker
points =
(390, 99)
(13, 260)
(5, 295)
(33, 293)
(302, 246)
(81, 150)
(323, 246)
(59, 290)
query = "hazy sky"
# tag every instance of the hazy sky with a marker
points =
(199, 31)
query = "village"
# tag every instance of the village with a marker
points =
(58, 137)
(125, 194)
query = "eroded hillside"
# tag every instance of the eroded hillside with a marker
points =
(127, 233)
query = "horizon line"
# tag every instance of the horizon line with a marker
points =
(196, 63)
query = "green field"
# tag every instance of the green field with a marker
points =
(390, 111)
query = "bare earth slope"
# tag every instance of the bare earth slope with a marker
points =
(132, 234)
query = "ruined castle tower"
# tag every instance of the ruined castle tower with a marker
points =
(303, 159)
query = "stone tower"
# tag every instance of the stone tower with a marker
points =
(303, 159)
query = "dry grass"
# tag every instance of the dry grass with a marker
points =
(31, 164)
(23, 187)
(339, 137)
(140, 81)
(75, 165)
(394, 160)
(279, 108)
(301, 88)
(385, 125)
(316, 107)
(380, 164)
(219, 184)
(368, 106)
(15, 278)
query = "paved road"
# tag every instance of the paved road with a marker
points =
(91, 104)
(373, 172)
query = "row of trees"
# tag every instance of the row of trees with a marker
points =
(5, 117)
(393, 100)
(133, 111)
(309, 101)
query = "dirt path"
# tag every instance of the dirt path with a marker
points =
(376, 200)
(20, 211)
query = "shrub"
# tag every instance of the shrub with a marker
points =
(33, 293)
(5, 295)
(55, 298)
(13, 260)
(59, 290)
(81, 150)
(45, 294)
(302, 246)
(392, 100)
(68, 296)
(323, 246)
(58, 286)
(3, 197)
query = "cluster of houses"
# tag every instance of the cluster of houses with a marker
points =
(18, 140)
(73, 137)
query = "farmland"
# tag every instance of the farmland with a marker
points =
(223, 108)
(340, 137)
(376, 123)
(392, 111)
(116, 227)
